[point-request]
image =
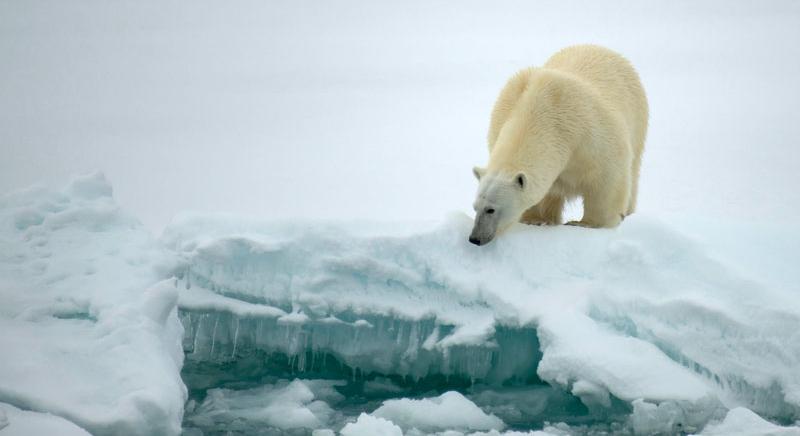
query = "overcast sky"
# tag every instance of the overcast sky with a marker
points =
(378, 110)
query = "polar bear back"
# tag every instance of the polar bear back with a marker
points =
(614, 79)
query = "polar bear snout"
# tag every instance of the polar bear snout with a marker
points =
(480, 241)
(484, 229)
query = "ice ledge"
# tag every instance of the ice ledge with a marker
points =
(573, 285)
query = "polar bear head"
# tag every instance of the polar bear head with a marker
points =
(500, 202)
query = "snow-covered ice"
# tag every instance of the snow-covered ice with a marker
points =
(351, 327)
(16, 422)
(642, 312)
(449, 411)
(743, 422)
(88, 334)
(368, 425)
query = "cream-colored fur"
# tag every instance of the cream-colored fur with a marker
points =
(574, 127)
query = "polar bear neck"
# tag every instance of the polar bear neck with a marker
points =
(522, 148)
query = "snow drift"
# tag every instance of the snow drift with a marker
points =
(354, 326)
(86, 334)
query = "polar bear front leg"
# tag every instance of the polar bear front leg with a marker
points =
(547, 212)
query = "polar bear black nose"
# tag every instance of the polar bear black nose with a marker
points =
(474, 240)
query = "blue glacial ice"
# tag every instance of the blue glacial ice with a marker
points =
(233, 324)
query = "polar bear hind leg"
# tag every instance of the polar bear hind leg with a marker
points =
(637, 163)
(605, 204)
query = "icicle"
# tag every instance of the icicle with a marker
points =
(196, 334)
(399, 338)
(235, 338)
(301, 362)
(214, 336)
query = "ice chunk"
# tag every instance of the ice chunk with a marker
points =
(743, 422)
(284, 406)
(94, 338)
(595, 361)
(368, 425)
(674, 417)
(449, 411)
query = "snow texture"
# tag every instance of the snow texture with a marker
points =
(16, 422)
(743, 422)
(89, 334)
(368, 425)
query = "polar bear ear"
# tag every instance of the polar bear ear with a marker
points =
(521, 181)
(479, 172)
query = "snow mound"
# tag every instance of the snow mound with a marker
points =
(449, 411)
(88, 333)
(743, 422)
(368, 425)
(16, 422)
(637, 313)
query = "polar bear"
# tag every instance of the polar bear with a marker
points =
(572, 128)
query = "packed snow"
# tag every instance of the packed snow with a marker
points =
(743, 422)
(88, 333)
(333, 327)
(368, 425)
(16, 422)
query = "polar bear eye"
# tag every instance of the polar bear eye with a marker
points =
(490, 211)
